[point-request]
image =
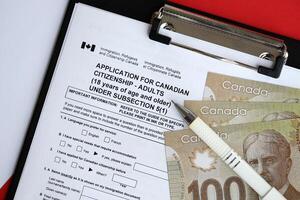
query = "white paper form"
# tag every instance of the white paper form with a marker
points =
(99, 136)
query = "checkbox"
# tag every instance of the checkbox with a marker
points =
(107, 139)
(74, 164)
(84, 132)
(79, 148)
(62, 143)
(57, 159)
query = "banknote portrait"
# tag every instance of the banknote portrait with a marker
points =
(292, 100)
(269, 153)
(280, 116)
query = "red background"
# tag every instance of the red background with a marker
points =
(281, 17)
(4, 190)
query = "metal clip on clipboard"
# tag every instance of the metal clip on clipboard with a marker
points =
(220, 33)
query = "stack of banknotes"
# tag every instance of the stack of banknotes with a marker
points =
(260, 121)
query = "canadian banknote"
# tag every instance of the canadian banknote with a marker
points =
(220, 113)
(220, 87)
(271, 148)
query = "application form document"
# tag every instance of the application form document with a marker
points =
(100, 132)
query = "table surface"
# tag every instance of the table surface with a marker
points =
(27, 37)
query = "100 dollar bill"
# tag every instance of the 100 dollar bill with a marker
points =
(271, 148)
(220, 87)
(220, 113)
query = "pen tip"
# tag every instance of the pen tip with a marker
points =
(177, 106)
(186, 114)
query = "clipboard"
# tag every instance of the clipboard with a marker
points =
(157, 21)
(222, 33)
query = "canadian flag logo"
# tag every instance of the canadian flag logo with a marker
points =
(85, 45)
